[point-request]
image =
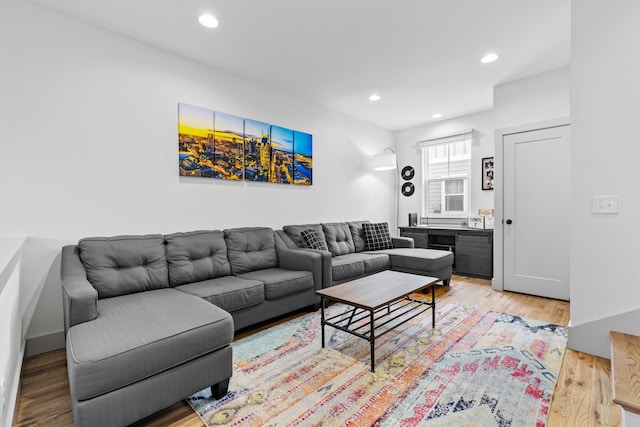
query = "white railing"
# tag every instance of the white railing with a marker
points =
(12, 341)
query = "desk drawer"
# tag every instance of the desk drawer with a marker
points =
(419, 239)
(481, 241)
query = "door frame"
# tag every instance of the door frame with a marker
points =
(497, 283)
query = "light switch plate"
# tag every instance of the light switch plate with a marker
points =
(605, 205)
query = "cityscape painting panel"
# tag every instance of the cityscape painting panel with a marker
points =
(302, 158)
(213, 144)
(228, 146)
(195, 141)
(281, 155)
(257, 150)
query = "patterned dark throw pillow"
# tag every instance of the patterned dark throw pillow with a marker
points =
(312, 240)
(376, 236)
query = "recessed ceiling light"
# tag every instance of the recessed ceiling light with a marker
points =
(436, 116)
(208, 21)
(489, 57)
(374, 97)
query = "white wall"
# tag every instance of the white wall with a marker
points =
(89, 131)
(605, 95)
(409, 153)
(532, 99)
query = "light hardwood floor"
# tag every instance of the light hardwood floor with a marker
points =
(582, 396)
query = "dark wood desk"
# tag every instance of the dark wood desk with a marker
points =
(380, 304)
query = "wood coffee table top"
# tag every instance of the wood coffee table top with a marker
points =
(377, 290)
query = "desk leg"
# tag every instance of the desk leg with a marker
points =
(372, 341)
(322, 318)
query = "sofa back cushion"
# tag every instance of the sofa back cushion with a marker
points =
(123, 265)
(196, 256)
(338, 237)
(293, 231)
(251, 248)
(357, 233)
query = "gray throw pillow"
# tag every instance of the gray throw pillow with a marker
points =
(376, 236)
(293, 231)
(312, 240)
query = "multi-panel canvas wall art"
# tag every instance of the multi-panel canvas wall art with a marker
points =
(281, 155)
(228, 146)
(223, 146)
(257, 150)
(302, 158)
(195, 141)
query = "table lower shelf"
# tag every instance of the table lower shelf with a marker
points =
(372, 324)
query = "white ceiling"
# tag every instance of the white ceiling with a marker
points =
(421, 56)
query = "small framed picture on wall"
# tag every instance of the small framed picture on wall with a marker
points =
(487, 173)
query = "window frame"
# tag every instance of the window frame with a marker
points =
(466, 137)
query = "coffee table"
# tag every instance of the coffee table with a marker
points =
(380, 304)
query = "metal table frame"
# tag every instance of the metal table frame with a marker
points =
(403, 309)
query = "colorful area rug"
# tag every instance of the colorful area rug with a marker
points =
(475, 368)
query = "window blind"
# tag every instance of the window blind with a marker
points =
(454, 137)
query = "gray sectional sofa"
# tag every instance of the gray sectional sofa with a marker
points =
(359, 248)
(149, 319)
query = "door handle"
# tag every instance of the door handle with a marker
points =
(509, 222)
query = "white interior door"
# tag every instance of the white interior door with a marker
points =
(536, 212)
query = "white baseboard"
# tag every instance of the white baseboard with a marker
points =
(593, 337)
(44, 343)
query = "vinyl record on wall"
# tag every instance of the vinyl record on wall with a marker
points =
(407, 173)
(407, 189)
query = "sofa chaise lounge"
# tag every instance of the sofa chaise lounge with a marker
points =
(149, 319)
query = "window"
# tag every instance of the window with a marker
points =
(446, 170)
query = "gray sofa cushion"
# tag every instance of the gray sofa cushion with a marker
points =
(279, 282)
(139, 335)
(229, 293)
(293, 231)
(374, 263)
(251, 248)
(427, 260)
(357, 233)
(338, 237)
(346, 267)
(122, 265)
(196, 256)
